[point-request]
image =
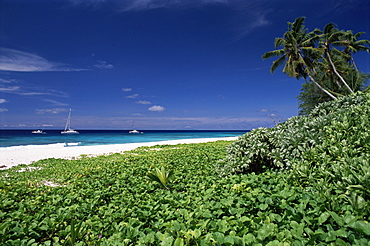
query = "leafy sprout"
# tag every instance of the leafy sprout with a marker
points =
(162, 176)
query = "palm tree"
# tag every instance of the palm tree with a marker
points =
(331, 35)
(353, 45)
(297, 50)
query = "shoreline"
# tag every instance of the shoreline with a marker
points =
(13, 157)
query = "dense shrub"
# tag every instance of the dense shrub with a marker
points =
(344, 121)
(328, 150)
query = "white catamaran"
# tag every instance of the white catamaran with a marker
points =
(67, 129)
(134, 131)
(38, 132)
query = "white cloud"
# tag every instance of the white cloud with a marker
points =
(143, 102)
(31, 91)
(3, 110)
(2, 100)
(9, 89)
(269, 113)
(47, 125)
(103, 65)
(157, 108)
(8, 80)
(249, 16)
(20, 125)
(51, 111)
(56, 102)
(126, 89)
(133, 96)
(19, 61)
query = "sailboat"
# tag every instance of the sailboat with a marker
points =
(134, 131)
(67, 128)
(38, 132)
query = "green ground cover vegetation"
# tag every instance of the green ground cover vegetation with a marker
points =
(304, 182)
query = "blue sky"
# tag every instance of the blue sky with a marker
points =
(168, 64)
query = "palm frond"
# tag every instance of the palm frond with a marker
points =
(277, 64)
(330, 27)
(279, 42)
(273, 53)
(297, 25)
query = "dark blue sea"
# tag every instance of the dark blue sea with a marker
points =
(25, 138)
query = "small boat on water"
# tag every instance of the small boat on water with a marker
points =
(67, 128)
(38, 132)
(70, 131)
(134, 131)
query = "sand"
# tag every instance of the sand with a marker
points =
(10, 157)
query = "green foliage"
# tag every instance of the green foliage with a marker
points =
(161, 176)
(327, 153)
(311, 96)
(109, 200)
(250, 153)
(324, 59)
(340, 125)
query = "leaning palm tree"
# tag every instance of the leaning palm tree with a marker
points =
(331, 35)
(296, 50)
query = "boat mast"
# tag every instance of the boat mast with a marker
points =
(68, 123)
(133, 125)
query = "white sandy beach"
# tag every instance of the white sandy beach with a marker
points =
(10, 157)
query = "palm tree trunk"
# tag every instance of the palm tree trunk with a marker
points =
(336, 72)
(317, 84)
(321, 88)
(354, 64)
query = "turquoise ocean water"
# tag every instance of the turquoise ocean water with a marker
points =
(24, 138)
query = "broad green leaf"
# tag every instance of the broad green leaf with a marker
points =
(228, 240)
(336, 218)
(297, 229)
(265, 231)
(341, 233)
(179, 242)
(263, 206)
(323, 217)
(249, 238)
(361, 226)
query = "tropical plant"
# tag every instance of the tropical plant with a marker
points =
(297, 52)
(282, 145)
(310, 96)
(352, 44)
(331, 35)
(76, 233)
(317, 58)
(326, 153)
(162, 176)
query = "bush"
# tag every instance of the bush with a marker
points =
(306, 137)
(327, 151)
